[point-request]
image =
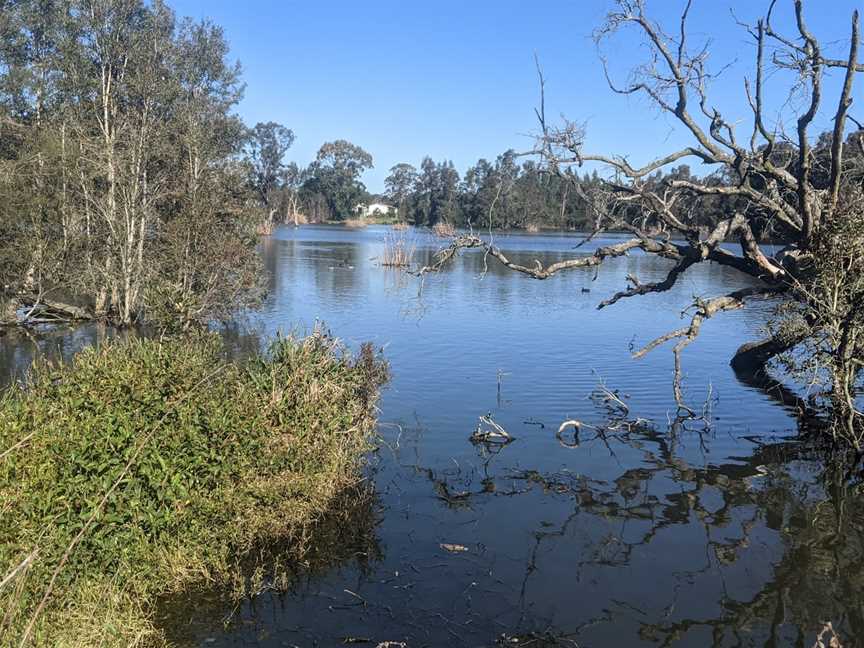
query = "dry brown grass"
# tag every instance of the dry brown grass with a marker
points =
(298, 219)
(355, 223)
(399, 226)
(532, 228)
(399, 248)
(443, 229)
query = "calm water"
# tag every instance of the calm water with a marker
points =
(725, 536)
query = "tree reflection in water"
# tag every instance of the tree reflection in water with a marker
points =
(759, 550)
(816, 515)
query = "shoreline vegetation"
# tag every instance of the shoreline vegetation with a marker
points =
(145, 467)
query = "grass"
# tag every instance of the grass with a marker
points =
(355, 223)
(145, 467)
(399, 248)
(443, 229)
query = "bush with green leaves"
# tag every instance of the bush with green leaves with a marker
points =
(146, 466)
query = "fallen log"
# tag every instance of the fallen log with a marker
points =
(51, 307)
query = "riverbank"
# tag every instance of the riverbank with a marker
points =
(145, 466)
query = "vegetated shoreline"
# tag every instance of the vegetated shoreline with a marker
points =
(145, 467)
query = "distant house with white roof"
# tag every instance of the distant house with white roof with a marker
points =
(381, 209)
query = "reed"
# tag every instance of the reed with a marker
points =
(443, 229)
(399, 248)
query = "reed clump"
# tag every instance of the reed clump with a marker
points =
(443, 229)
(399, 249)
(146, 466)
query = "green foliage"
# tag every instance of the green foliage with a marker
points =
(334, 179)
(207, 459)
(119, 144)
(502, 195)
(826, 320)
(268, 143)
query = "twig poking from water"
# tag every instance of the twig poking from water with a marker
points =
(355, 595)
(610, 398)
(576, 425)
(500, 374)
(492, 433)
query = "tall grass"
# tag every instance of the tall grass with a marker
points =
(399, 248)
(146, 466)
(444, 229)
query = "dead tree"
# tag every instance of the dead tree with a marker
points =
(772, 183)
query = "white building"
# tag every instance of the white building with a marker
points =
(380, 209)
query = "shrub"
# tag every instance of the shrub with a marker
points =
(146, 466)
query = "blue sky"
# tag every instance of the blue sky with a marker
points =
(456, 80)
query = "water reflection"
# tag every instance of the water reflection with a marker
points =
(344, 536)
(753, 552)
(20, 347)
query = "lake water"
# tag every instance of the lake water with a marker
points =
(725, 535)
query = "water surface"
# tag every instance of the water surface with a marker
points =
(694, 536)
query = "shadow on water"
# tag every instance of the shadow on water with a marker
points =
(344, 538)
(727, 534)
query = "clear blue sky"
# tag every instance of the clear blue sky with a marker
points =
(456, 79)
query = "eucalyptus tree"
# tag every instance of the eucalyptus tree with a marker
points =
(119, 145)
(31, 40)
(268, 144)
(204, 252)
(399, 185)
(292, 179)
(335, 175)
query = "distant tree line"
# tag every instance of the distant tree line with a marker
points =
(507, 194)
(504, 194)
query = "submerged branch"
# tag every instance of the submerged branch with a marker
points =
(686, 335)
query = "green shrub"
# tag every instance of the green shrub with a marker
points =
(175, 464)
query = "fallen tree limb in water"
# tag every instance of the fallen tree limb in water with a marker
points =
(493, 434)
(804, 191)
(43, 310)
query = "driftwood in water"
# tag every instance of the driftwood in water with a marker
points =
(44, 310)
(492, 433)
